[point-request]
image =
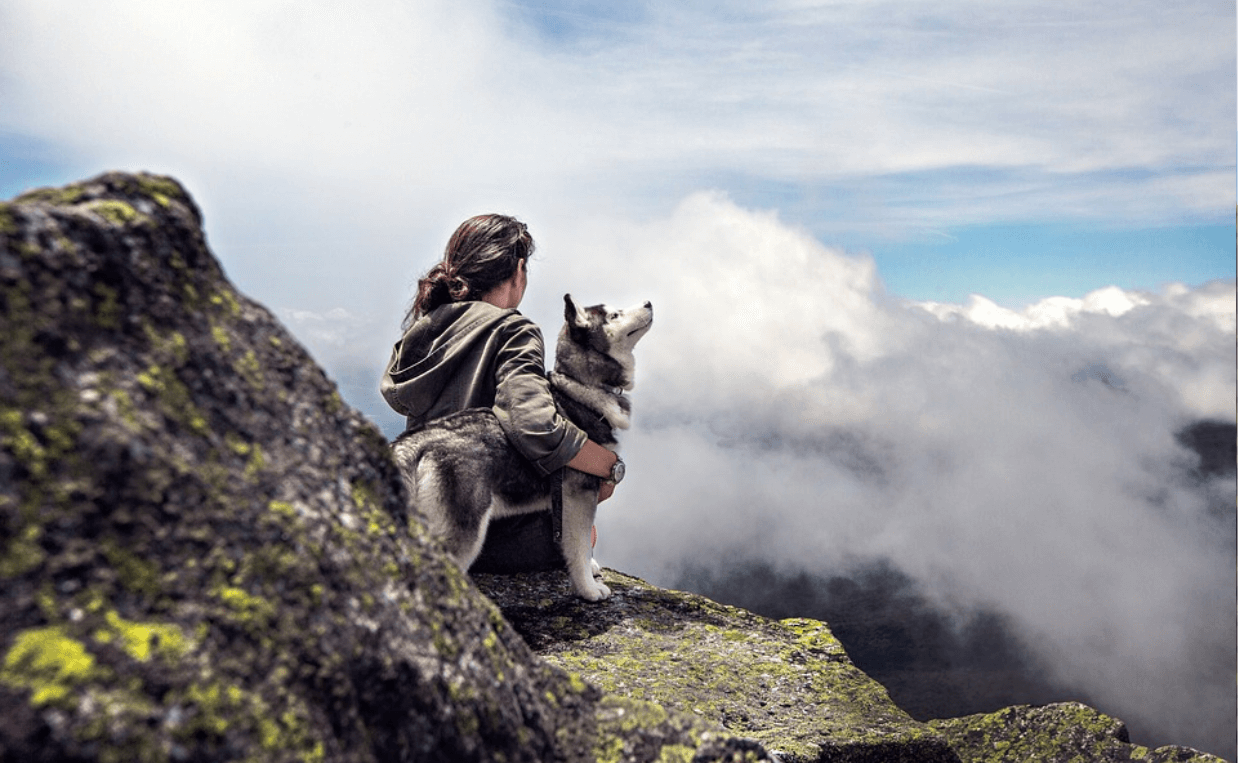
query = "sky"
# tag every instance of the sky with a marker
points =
(884, 240)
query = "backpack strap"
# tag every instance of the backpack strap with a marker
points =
(556, 507)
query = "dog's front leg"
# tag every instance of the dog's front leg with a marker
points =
(579, 508)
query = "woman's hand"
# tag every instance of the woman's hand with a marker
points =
(594, 459)
(606, 490)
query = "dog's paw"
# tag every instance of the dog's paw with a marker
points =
(596, 592)
(595, 568)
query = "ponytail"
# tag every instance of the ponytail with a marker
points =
(483, 253)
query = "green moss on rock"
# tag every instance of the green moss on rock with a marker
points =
(115, 212)
(136, 573)
(22, 553)
(1067, 732)
(141, 640)
(250, 369)
(49, 663)
(65, 196)
(174, 397)
(254, 612)
(160, 189)
(788, 685)
(22, 443)
(107, 309)
(8, 226)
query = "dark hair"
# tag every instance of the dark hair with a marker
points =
(483, 253)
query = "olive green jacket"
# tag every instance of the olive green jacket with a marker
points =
(475, 355)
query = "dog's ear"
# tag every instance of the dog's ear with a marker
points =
(573, 314)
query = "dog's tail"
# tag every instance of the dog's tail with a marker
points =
(446, 490)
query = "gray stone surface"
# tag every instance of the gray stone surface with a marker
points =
(787, 684)
(1065, 732)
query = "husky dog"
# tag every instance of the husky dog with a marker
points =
(461, 472)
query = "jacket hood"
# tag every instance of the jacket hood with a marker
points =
(431, 352)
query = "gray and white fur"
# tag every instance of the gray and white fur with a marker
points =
(461, 472)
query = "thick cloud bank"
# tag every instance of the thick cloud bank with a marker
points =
(1023, 462)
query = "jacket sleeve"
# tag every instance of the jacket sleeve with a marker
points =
(523, 403)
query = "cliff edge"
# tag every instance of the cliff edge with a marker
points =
(206, 555)
(787, 684)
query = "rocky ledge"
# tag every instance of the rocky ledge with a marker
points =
(206, 555)
(787, 684)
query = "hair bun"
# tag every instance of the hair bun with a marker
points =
(457, 287)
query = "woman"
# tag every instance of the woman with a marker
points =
(466, 346)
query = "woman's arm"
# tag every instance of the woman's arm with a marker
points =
(527, 414)
(596, 460)
(523, 402)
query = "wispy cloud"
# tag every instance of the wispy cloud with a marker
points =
(452, 97)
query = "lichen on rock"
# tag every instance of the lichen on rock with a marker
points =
(788, 685)
(1066, 732)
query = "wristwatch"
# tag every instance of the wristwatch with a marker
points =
(616, 471)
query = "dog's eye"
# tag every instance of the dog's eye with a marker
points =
(612, 316)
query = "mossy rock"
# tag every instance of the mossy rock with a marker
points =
(788, 685)
(207, 556)
(1067, 732)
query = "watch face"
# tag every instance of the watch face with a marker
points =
(616, 471)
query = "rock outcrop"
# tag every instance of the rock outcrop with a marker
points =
(788, 684)
(1065, 732)
(206, 555)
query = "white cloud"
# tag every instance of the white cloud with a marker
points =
(333, 331)
(1049, 312)
(788, 411)
(434, 101)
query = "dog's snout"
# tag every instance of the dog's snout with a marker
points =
(648, 305)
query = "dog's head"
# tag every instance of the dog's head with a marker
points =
(603, 330)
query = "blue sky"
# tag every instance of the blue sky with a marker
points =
(1020, 264)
